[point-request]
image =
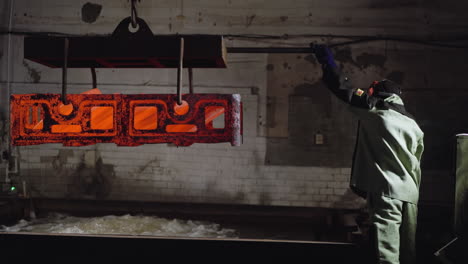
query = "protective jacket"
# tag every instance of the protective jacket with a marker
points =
(389, 142)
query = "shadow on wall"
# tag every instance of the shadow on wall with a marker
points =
(91, 179)
(90, 12)
(306, 125)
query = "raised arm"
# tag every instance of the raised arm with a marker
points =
(337, 83)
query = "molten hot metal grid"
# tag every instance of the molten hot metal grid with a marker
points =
(125, 119)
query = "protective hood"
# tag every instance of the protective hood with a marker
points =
(384, 88)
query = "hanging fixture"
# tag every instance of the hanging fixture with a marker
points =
(124, 49)
(126, 119)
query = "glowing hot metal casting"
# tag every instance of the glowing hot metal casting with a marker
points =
(127, 120)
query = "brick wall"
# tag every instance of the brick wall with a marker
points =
(268, 84)
(200, 173)
(204, 173)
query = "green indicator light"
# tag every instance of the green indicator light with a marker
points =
(12, 188)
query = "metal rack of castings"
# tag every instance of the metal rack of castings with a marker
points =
(126, 119)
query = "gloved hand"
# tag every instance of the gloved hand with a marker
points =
(323, 55)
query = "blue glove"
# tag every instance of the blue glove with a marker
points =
(324, 55)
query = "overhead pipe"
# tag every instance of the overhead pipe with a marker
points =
(12, 162)
(269, 50)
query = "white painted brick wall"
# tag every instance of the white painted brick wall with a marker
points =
(199, 173)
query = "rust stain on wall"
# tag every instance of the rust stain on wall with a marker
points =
(364, 60)
(396, 76)
(34, 74)
(367, 59)
(345, 55)
(249, 20)
(90, 12)
(311, 58)
(91, 182)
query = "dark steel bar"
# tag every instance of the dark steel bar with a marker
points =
(134, 14)
(269, 50)
(190, 75)
(64, 71)
(179, 72)
(110, 52)
(93, 74)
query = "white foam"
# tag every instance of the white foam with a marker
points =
(124, 225)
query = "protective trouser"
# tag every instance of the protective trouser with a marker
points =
(393, 230)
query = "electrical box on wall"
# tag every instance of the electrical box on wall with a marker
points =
(318, 138)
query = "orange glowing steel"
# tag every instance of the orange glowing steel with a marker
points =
(181, 128)
(102, 117)
(181, 109)
(68, 109)
(66, 129)
(146, 118)
(93, 91)
(33, 121)
(39, 126)
(65, 109)
(125, 119)
(211, 113)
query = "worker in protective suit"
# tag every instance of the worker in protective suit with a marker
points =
(386, 164)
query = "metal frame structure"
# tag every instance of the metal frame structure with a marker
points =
(125, 119)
